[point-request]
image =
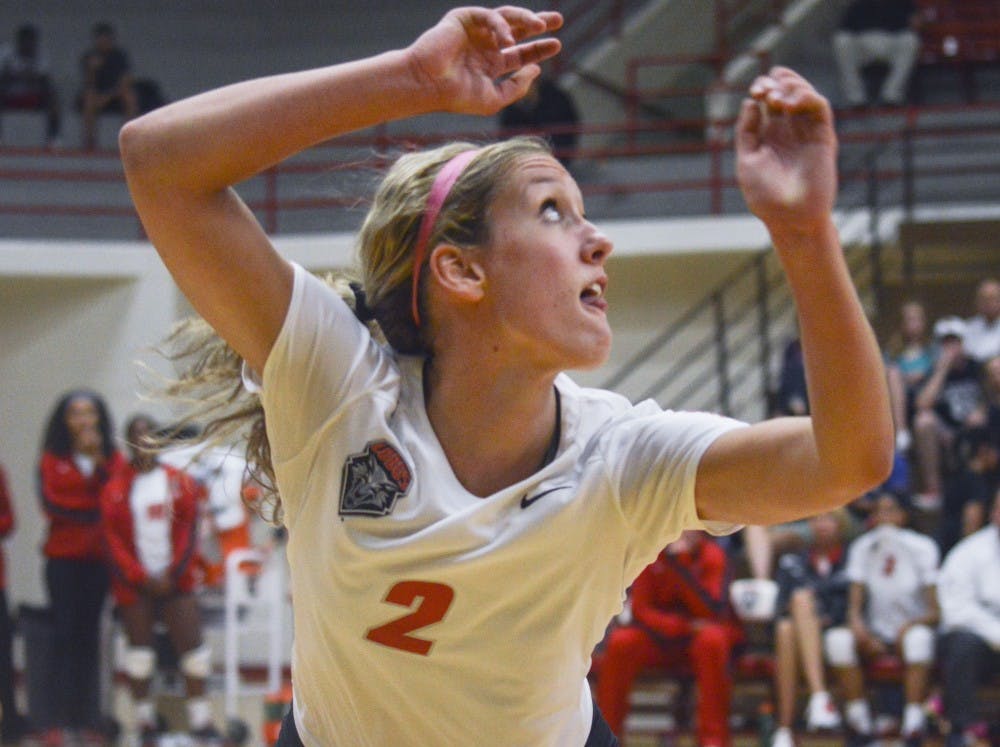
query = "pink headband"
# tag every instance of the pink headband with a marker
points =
(442, 185)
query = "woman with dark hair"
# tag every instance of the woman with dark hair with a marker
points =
(78, 456)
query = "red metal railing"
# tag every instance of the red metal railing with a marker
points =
(706, 173)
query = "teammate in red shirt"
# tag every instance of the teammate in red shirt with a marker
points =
(150, 516)
(12, 724)
(680, 618)
(78, 455)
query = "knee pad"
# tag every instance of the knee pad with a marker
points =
(140, 662)
(838, 643)
(754, 598)
(918, 645)
(197, 663)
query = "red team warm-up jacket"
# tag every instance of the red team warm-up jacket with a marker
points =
(71, 502)
(667, 598)
(127, 572)
(675, 589)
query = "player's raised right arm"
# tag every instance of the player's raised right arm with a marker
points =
(182, 160)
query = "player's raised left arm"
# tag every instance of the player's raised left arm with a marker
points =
(786, 468)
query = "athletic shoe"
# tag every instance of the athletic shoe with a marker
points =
(821, 713)
(782, 737)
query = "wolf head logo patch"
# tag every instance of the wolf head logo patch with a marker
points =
(373, 481)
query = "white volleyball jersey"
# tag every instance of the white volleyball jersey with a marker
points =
(222, 470)
(425, 615)
(896, 566)
(150, 503)
(969, 586)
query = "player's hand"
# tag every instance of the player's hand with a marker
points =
(786, 151)
(479, 60)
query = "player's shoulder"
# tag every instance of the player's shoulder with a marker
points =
(919, 540)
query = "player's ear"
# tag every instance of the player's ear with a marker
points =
(457, 272)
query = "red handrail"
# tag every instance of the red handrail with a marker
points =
(710, 177)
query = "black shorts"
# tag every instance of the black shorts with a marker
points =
(600, 732)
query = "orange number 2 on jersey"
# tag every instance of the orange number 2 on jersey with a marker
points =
(434, 601)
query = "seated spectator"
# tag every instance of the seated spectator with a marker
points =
(548, 109)
(982, 332)
(969, 488)
(107, 82)
(892, 609)
(883, 31)
(952, 399)
(793, 398)
(149, 518)
(13, 725)
(910, 356)
(26, 83)
(969, 594)
(680, 618)
(812, 597)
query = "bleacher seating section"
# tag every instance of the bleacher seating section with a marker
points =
(962, 36)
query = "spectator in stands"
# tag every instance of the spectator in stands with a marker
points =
(107, 82)
(883, 31)
(910, 356)
(681, 620)
(548, 110)
(12, 724)
(149, 515)
(952, 399)
(982, 332)
(969, 487)
(793, 398)
(26, 82)
(812, 597)
(78, 456)
(892, 609)
(969, 593)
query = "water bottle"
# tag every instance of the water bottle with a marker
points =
(765, 723)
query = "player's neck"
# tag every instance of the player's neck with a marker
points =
(494, 429)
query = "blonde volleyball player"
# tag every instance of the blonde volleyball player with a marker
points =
(463, 519)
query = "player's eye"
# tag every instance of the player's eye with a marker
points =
(550, 211)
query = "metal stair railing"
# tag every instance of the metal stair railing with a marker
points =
(720, 353)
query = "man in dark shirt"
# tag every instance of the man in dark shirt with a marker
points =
(546, 109)
(877, 31)
(107, 82)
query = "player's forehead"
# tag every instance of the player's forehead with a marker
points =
(533, 174)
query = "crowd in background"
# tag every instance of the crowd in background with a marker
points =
(903, 581)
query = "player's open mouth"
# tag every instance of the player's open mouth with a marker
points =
(593, 295)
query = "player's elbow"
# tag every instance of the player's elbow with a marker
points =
(864, 471)
(138, 147)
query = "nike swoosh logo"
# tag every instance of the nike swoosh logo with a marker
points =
(526, 501)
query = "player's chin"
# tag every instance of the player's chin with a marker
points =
(594, 353)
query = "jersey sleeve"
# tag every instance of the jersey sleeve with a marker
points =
(322, 359)
(928, 560)
(653, 460)
(855, 564)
